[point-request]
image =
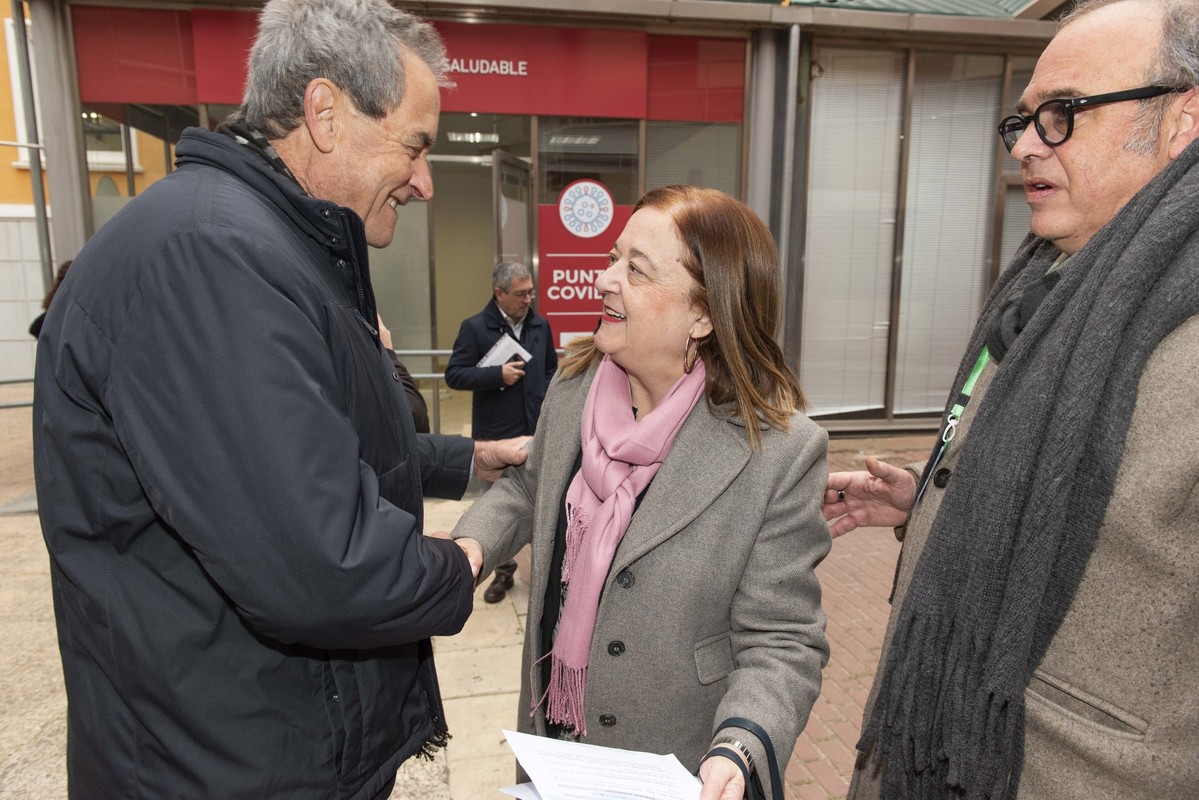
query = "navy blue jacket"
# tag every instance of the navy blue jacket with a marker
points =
(500, 411)
(230, 490)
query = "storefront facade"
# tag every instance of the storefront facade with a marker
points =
(865, 139)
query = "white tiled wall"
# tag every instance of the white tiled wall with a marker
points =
(21, 293)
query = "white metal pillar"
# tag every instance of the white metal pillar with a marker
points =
(62, 133)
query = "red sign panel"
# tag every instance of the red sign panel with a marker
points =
(130, 55)
(222, 43)
(568, 267)
(133, 55)
(695, 79)
(521, 69)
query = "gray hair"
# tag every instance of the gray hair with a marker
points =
(359, 45)
(1176, 62)
(506, 272)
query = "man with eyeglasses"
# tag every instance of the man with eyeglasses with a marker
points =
(506, 398)
(1042, 640)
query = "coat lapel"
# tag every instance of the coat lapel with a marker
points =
(708, 454)
(565, 414)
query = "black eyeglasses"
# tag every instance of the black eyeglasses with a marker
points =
(1054, 119)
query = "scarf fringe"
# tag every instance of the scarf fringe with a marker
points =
(566, 696)
(920, 738)
(438, 740)
(576, 530)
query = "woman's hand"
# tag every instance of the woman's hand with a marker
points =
(880, 497)
(474, 554)
(722, 779)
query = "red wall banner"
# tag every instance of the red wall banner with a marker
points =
(131, 55)
(134, 55)
(522, 69)
(222, 45)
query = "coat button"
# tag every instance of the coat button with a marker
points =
(395, 376)
(941, 478)
(333, 240)
(341, 263)
(326, 213)
(607, 720)
(615, 648)
(625, 579)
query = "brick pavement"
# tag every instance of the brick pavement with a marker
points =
(856, 580)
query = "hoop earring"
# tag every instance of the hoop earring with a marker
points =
(688, 367)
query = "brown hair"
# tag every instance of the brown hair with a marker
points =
(58, 278)
(732, 257)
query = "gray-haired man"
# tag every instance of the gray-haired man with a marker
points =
(229, 479)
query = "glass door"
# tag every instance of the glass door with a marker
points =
(512, 190)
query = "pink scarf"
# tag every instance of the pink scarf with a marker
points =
(620, 458)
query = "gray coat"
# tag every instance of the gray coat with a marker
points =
(1113, 709)
(712, 594)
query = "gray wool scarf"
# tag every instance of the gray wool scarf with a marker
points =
(1018, 522)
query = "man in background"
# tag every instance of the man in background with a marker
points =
(1042, 636)
(229, 481)
(507, 397)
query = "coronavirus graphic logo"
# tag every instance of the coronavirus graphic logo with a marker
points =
(585, 208)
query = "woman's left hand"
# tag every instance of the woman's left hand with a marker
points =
(722, 780)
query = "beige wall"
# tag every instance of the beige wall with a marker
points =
(464, 244)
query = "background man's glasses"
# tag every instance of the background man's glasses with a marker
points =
(527, 294)
(1054, 119)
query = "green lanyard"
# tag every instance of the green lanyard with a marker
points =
(954, 417)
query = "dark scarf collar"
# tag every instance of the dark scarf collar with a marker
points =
(1017, 312)
(1018, 522)
(349, 245)
(254, 140)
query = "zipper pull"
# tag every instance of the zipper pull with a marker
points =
(374, 331)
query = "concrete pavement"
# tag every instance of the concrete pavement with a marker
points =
(479, 669)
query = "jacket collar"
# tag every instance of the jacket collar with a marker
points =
(317, 218)
(494, 317)
(338, 230)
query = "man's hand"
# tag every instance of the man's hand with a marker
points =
(880, 497)
(492, 457)
(722, 780)
(512, 372)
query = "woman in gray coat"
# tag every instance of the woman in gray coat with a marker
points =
(672, 497)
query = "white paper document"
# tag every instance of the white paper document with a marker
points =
(575, 771)
(502, 352)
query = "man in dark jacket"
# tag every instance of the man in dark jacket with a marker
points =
(229, 481)
(507, 397)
